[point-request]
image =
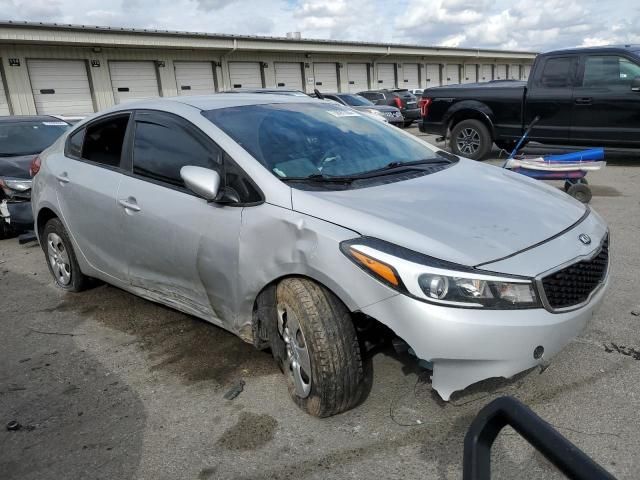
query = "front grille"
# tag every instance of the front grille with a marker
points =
(573, 284)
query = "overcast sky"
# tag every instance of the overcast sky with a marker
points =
(526, 24)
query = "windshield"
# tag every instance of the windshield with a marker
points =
(29, 138)
(356, 100)
(305, 139)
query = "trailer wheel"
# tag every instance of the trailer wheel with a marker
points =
(580, 192)
(471, 139)
(568, 183)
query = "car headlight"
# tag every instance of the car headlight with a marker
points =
(373, 111)
(436, 281)
(12, 185)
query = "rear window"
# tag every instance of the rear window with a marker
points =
(303, 139)
(557, 72)
(355, 100)
(29, 138)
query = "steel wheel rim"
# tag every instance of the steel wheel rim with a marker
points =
(468, 141)
(58, 259)
(298, 358)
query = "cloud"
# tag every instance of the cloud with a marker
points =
(525, 25)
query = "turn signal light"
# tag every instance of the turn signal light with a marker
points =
(424, 103)
(376, 267)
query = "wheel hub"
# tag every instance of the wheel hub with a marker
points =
(468, 141)
(298, 358)
(58, 259)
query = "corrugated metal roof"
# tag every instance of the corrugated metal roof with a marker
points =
(185, 34)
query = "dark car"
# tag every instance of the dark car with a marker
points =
(582, 96)
(21, 140)
(401, 98)
(358, 102)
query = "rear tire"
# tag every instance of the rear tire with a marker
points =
(580, 192)
(316, 345)
(61, 259)
(471, 139)
(407, 124)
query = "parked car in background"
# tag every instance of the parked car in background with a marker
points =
(358, 102)
(296, 223)
(417, 91)
(583, 96)
(401, 98)
(21, 140)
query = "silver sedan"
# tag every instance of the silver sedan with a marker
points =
(296, 224)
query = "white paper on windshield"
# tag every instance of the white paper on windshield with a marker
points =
(343, 113)
(54, 123)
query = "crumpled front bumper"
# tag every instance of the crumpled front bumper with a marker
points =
(467, 345)
(18, 214)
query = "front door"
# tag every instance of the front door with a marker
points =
(605, 109)
(550, 97)
(182, 250)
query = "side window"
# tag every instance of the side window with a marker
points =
(161, 147)
(74, 145)
(557, 72)
(103, 140)
(608, 70)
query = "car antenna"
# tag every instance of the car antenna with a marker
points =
(318, 94)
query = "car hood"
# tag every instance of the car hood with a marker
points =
(17, 167)
(469, 213)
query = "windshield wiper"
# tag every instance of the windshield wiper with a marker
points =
(394, 167)
(446, 155)
(319, 178)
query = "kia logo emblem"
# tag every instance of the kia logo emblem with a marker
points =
(584, 238)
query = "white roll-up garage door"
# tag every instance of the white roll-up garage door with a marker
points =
(289, 75)
(386, 75)
(411, 77)
(326, 77)
(526, 70)
(4, 105)
(470, 73)
(357, 77)
(133, 80)
(195, 78)
(433, 75)
(60, 87)
(514, 72)
(501, 72)
(452, 74)
(486, 73)
(245, 75)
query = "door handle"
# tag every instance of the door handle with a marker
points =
(129, 204)
(63, 178)
(583, 101)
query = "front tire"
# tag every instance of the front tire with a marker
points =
(61, 259)
(316, 345)
(471, 139)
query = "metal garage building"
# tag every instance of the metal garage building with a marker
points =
(77, 70)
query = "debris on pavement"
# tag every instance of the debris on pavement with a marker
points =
(628, 351)
(235, 390)
(636, 312)
(13, 426)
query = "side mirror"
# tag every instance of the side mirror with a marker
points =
(201, 181)
(635, 84)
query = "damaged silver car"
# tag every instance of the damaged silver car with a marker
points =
(289, 221)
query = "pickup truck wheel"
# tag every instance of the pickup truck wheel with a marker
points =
(321, 355)
(471, 139)
(581, 192)
(61, 259)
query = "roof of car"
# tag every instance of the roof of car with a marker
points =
(29, 118)
(216, 100)
(601, 48)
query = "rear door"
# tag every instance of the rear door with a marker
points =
(60, 87)
(605, 109)
(357, 77)
(195, 78)
(245, 75)
(88, 176)
(176, 241)
(326, 77)
(289, 75)
(550, 97)
(133, 80)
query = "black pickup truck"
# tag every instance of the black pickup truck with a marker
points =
(583, 96)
